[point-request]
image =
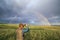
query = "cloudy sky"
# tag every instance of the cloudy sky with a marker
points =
(42, 12)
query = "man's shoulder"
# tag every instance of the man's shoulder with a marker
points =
(18, 30)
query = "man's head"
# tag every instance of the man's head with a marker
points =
(21, 26)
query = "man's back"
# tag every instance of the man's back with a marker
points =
(19, 34)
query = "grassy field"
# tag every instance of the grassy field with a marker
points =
(7, 32)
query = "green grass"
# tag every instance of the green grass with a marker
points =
(7, 32)
(8, 26)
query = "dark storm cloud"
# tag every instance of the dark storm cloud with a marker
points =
(4, 11)
(29, 11)
(7, 10)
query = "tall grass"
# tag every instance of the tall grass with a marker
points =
(8, 32)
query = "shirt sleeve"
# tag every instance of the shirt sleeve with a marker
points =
(25, 30)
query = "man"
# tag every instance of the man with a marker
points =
(20, 32)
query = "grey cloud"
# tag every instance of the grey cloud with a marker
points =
(27, 10)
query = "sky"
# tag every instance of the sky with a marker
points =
(38, 12)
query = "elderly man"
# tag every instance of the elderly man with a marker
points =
(20, 32)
